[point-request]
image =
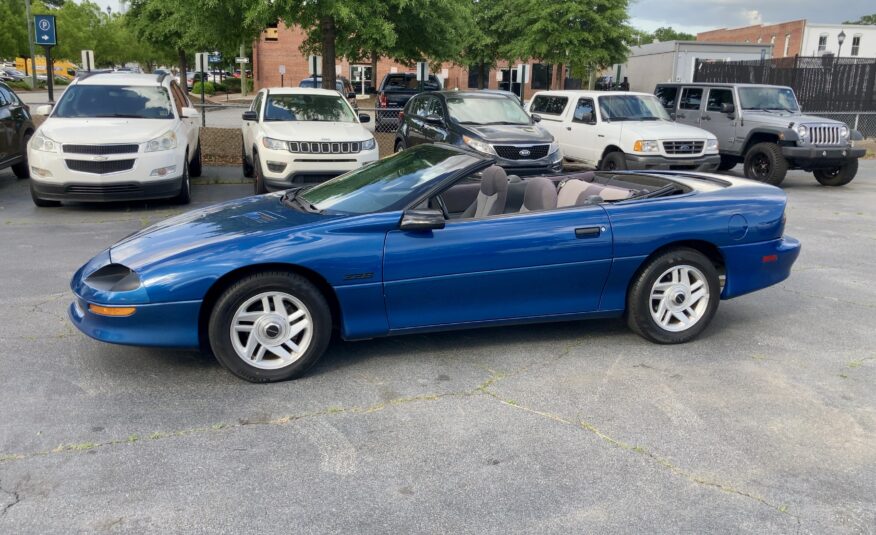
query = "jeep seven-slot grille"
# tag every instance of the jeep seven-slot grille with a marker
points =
(325, 147)
(99, 150)
(100, 168)
(514, 152)
(825, 135)
(683, 147)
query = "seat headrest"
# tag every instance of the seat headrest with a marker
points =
(494, 180)
(540, 194)
(570, 191)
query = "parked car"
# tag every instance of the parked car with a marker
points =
(12, 75)
(115, 136)
(263, 281)
(343, 86)
(394, 92)
(762, 127)
(622, 130)
(492, 123)
(16, 129)
(295, 134)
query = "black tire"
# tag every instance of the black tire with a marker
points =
(247, 167)
(613, 161)
(400, 145)
(639, 302)
(195, 166)
(21, 169)
(185, 189)
(727, 163)
(259, 186)
(838, 176)
(42, 203)
(764, 162)
(235, 297)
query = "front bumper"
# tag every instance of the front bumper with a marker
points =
(282, 169)
(754, 266)
(116, 191)
(706, 162)
(550, 164)
(816, 156)
(154, 325)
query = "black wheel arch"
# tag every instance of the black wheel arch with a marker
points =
(767, 135)
(707, 249)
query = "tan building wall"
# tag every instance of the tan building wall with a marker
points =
(786, 38)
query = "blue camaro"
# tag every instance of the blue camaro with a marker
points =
(434, 238)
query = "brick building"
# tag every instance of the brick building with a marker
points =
(800, 37)
(280, 46)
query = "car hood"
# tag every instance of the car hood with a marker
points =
(784, 119)
(315, 131)
(224, 223)
(507, 133)
(104, 130)
(663, 130)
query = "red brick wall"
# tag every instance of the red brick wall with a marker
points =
(751, 34)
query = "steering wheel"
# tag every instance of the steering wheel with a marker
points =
(439, 200)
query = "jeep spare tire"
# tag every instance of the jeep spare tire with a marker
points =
(764, 162)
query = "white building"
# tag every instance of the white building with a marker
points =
(819, 39)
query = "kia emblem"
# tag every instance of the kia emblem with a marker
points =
(525, 152)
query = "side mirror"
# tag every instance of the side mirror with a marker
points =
(250, 115)
(728, 108)
(434, 119)
(45, 109)
(190, 113)
(672, 115)
(351, 95)
(536, 117)
(422, 219)
(364, 118)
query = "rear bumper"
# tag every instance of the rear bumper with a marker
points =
(116, 191)
(755, 266)
(708, 162)
(821, 156)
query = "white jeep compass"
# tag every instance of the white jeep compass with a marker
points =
(115, 136)
(297, 134)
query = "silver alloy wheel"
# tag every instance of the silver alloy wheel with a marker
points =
(679, 298)
(271, 330)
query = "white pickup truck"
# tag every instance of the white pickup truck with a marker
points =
(621, 130)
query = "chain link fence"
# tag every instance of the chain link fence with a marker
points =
(864, 122)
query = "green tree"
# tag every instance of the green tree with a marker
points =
(641, 37)
(865, 19)
(13, 29)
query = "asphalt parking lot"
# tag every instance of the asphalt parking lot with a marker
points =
(766, 424)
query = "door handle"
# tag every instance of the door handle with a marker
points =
(569, 128)
(680, 115)
(706, 118)
(588, 232)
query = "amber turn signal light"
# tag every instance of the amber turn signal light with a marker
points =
(112, 311)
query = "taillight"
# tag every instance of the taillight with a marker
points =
(382, 99)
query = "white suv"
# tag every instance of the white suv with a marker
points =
(621, 130)
(115, 136)
(293, 135)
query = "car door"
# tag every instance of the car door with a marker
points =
(250, 128)
(7, 126)
(690, 105)
(414, 120)
(578, 141)
(723, 125)
(435, 128)
(668, 96)
(188, 125)
(505, 267)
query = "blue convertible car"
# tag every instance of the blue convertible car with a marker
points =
(434, 238)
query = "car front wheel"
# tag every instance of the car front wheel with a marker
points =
(270, 327)
(613, 161)
(838, 176)
(195, 165)
(764, 162)
(674, 298)
(21, 169)
(400, 145)
(259, 186)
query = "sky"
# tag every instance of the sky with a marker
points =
(694, 16)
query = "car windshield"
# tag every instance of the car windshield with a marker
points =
(631, 108)
(479, 110)
(388, 184)
(409, 82)
(129, 101)
(768, 98)
(308, 108)
(309, 83)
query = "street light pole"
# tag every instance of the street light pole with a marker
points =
(30, 42)
(840, 39)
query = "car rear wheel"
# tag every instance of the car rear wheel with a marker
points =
(727, 163)
(270, 327)
(838, 176)
(400, 145)
(764, 162)
(613, 161)
(259, 180)
(21, 169)
(674, 298)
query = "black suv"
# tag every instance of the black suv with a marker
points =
(490, 123)
(16, 127)
(395, 91)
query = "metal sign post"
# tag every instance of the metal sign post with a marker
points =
(282, 74)
(422, 73)
(30, 39)
(314, 67)
(46, 35)
(202, 62)
(87, 60)
(522, 77)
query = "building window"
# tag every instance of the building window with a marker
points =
(272, 33)
(822, 43)
(759, 40)
(541, 76)
(856, 44)
(787, 44)
(773, 40)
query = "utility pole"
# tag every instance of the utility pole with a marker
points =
(243, 71)
(30, 42)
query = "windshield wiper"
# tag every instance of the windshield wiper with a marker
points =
(472, 122)
(291, 199)
(508, 122)
(124, 116)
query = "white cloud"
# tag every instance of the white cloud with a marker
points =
(753, 16)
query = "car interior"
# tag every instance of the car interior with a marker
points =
(492, 192)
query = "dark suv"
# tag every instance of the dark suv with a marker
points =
(395, 91)
(491, 123)
(16, 127)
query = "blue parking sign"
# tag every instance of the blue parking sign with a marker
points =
(44, 28)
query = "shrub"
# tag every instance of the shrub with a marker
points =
(209, 88)
(18, 85)
(220, 87)
(233, 84)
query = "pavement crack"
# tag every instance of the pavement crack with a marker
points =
(16, 499)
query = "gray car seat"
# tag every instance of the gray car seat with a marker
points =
(494, 192)
(540, 194)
